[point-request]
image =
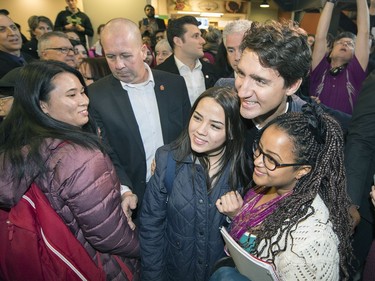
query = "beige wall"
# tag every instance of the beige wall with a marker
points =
(261, 14)
(99, 11)
(21, 10)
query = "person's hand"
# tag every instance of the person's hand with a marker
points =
(129, 203)
(230, 203)
(372, 194)
(79, 28)
(355, 215)
(69, 26)
(316, 99)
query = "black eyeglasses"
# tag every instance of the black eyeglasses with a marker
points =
(64, 50)
(269, 162)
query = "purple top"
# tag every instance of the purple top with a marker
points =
(250, 216)
(338, 92)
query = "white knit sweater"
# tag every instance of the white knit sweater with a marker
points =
(314, 253)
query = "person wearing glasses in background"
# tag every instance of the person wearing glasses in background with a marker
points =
(11, 55)
(57, 46)
(53, 45)
(6, 97)
(336, 76)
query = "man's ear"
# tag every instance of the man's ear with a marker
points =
(144, 51)
(294, 87)
(177, 41)
(302, 171)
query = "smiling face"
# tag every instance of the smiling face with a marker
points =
(261, 90)
(10, 37)
(207, 130)
(277, 144)
(67, 101)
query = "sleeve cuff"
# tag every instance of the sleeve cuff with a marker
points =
(124, 188)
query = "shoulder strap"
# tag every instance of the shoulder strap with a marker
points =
(170, 173)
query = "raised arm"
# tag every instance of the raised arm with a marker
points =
(362, 48)
(320, 45)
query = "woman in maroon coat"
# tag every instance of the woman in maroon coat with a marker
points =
(46, 139)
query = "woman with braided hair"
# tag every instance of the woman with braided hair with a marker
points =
(296, 216)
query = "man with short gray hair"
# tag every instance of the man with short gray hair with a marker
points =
(233, 34)
(56, 45)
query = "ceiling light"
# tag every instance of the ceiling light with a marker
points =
(264, 4)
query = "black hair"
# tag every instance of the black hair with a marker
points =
(318, 140)
(4, 12)
(176, 28)
(281, 46)
(148, 6)
(98, 66)
(234, 145)
(27, 126)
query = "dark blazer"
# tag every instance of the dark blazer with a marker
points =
(31, 48)
(111, 108)
(9, 62)
(360, 164)
(208, 70)
(360, 149)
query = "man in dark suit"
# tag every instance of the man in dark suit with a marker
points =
(137, 109)
(360, 165)
(187, 43)
(10, 46)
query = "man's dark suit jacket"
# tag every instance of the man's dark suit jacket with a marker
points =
(111, 109)
(208, 70)
(360, 163)
(7, 63)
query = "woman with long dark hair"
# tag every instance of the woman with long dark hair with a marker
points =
(179, 229)
(48, 139)
(296, 216)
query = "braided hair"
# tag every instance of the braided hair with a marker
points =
(317, 140)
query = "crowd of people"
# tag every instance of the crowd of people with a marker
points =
(149, 141)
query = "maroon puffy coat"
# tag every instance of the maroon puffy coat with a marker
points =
(83, 188)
